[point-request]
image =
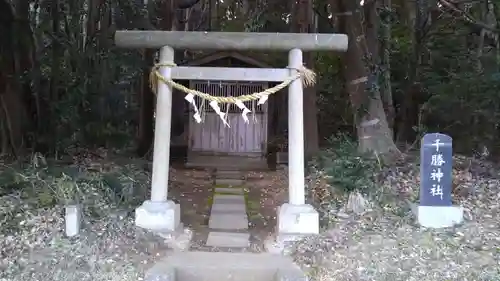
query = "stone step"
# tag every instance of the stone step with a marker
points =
(228, 212)
(236, 208)
(228, 221)
(228, 199)
(227, 163)
(229, 196)
(229, 182)
(229, 190)
(228, 239)
(227, 174)
(220, 266)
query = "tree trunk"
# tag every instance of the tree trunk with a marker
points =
(56, 51)
(147, 104)
(147, 99)
(302, 23)
(374, 134)
(15, 96)
(13, 111)
(213, 21)
(385, 48)
(408, 113)
(370, 24)
(55, 74)
(11, 99)
(379, 65)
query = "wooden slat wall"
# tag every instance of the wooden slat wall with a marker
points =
(212, 136)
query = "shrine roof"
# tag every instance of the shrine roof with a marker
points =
(216, 56)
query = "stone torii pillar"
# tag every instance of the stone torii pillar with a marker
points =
(294, 217)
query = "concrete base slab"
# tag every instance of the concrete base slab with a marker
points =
(297, 219)
(440, 216)
(160, 216)
(272, 246)
(219, 266)
(282, 244)
(228, 190)
(235, 208)
(179, 240)
(228, 221)
(230, 182)
(228, 239)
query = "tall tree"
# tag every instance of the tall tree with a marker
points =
(302, 22)
(16, 98)
(408, 112)
(168, 21)
(373, 131)
(385, 62)
(147, 99)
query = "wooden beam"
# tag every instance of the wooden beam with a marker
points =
(231, 40)
(230, 73)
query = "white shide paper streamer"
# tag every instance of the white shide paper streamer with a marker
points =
(242, 106)
(263, 99)
(197, 116)
(221, 114)
(190, 99)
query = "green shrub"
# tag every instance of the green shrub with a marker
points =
(338, 170)
(345, 167)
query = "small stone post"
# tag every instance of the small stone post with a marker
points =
(72, 218)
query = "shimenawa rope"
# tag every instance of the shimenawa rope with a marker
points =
(308, 79)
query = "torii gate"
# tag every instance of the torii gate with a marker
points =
(294, 217)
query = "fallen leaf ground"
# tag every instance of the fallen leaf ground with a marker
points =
(384, 243)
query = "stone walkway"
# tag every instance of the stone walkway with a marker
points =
(228, 221)
(227, 253)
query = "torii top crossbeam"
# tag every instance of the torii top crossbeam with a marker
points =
(192, 40)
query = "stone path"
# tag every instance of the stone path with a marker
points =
(229, 177)
(227, 253)
(228, 221)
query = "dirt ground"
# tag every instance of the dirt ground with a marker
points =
(266, 192)
(193, 189)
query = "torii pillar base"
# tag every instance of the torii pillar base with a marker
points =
(158, 216)
(294, 223)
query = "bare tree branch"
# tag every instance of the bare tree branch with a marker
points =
(467, 17)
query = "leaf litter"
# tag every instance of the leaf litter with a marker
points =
(383, 243)
(33, 244)
(386, 242)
